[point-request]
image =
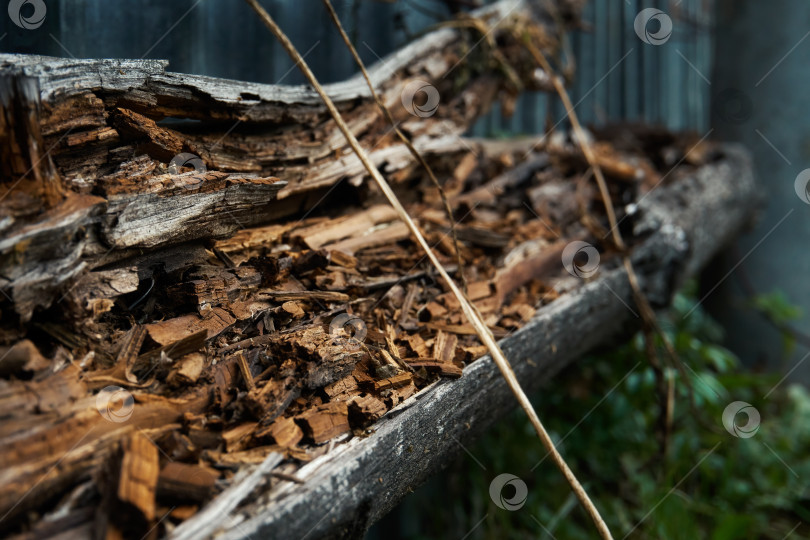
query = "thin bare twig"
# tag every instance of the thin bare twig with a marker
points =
(470, 313)
(414, 152)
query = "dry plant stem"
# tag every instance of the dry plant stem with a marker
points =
(414, 152)
(483, 332)
(569, 69)
(644, 307)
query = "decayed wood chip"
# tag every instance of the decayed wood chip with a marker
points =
(326, 296)
(329, 357)
(417, 345)
(465, 167)
(257, 455)
(237, 437)
(325, 422)
(184, 512)
(138, 477)
(341, 258)
(524, 311)
(432, 311)
(272, 398)
(342, 387)
(293, 309)
(393, 382)
(205, 522)
(531, 260)
(183, 482)
(333, 230)
(445, 369)
(187, 370)
(129, 351)
(251, 242)
(465, 329)
(167, 332)
(444, 346)
(178, 348)
(385, 235)
(247, 376)
(283, 431)
(398, 395)
(365, 410)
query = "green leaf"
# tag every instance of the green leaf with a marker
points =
(776, 307)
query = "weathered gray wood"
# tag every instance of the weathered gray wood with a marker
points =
(293, 125)
(347, 489)
(100, 119)
(191, 206)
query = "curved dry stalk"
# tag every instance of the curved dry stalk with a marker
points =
(647, 313)
(414, 152)
(470, 313)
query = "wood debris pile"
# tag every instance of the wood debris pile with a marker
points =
(167, 321)
(280, 338)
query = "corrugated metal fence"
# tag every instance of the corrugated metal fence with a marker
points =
(618, 75)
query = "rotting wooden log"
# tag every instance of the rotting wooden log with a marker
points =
(108, 126)
(686, 224)
(187, 207)
(255, 364)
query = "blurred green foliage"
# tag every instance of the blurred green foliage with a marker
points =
(604, 412)
(775, 307)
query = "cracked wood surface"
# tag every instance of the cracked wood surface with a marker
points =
(102, 192)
